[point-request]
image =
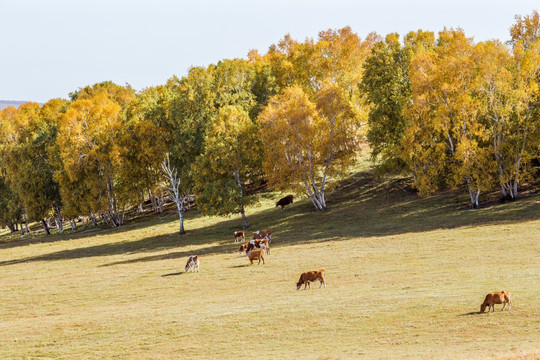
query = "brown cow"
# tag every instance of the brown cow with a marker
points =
(497, 297)
(308, 276)
(263, 234)
(256, 254)
(239, 236)
(285, 201)
(261, 244)
(193, 263)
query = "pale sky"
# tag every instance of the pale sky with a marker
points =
(52, 47)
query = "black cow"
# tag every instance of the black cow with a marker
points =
(285, 201)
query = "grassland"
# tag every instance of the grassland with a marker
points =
(406, 277)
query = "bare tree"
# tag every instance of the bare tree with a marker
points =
(172, 184)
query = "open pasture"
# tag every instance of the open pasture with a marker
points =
(405, 279)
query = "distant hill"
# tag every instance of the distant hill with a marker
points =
(6, 103)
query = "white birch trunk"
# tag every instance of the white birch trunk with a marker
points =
(242, 210)
(59, 225)
(473, 194)
(173, 186)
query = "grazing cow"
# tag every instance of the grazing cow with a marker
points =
(263, 234)
(243, 248)
(261, 244)
(285, 201)
(256, 254)
(239, 236)
(308, 276)
(192, 263)
(497, 297)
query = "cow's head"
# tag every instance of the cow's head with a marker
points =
(242, 248)
(298, 285)
(482, 308)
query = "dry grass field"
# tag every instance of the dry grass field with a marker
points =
(406, 277)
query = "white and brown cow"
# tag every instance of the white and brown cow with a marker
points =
(239, 236)
(308, 276)
(257, 244)
(243, 248)
(263, 234)
(193, 263)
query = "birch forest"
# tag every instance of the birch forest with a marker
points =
(447, 111)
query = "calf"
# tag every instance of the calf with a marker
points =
(263, 234)
(285, 201)
(261, 244)
(497, 297)
(193, 263)
(308, 276)
(256, 254)
(239, 236)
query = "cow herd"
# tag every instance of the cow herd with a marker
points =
(255, 250)
(259, 246)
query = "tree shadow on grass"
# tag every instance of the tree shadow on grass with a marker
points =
(361, 207)
(156, 243)
(142, 221)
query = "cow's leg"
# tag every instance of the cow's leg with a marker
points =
(504, 304)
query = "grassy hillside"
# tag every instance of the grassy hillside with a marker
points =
(406, 277)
